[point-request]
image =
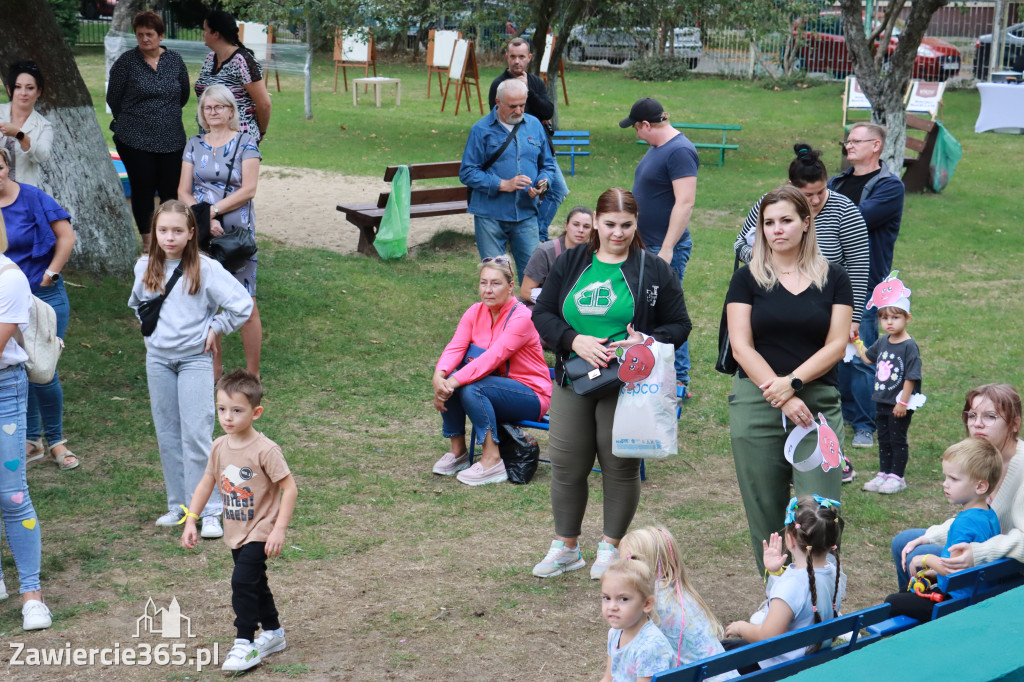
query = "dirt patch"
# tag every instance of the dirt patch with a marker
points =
(298, 207)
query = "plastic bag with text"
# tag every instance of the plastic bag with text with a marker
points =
(645, 415)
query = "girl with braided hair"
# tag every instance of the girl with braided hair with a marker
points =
(809, 590)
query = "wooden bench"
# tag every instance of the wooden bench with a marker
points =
(424, 203)
(967, 587)
(850, 624)
(571, 139)
(917, 175)
(720, 146)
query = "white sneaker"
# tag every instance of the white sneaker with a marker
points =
(607, 554)
(893, 484)
(35, 615)
(270, 642)
(211, 527)
(559, 560)
(875, 483)
(3, 590)
(243, 656)
(171, 518)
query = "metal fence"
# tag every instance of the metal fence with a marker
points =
(93, 31)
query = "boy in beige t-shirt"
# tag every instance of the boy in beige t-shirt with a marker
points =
(259, 495)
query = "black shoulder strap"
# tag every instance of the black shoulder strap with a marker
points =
(175, 276)
(502, 148)
(640, 283)
(231, 166)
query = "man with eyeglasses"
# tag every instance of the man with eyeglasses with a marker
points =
(878, 192)
(507, 164)
(665, 187)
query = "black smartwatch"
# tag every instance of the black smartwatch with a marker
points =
(20, 136)
(795, 383)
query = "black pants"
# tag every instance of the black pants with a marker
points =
(250, 595)
(149, 173)
(912, 604)
(893, 451)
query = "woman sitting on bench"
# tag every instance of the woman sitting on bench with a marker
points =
(492, 371)
(577, 231)
(993, 412)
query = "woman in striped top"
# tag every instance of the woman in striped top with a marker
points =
(842, 234)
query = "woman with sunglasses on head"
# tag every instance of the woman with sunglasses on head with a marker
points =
(492, 371)
(599, 296)
(993, 412)
(25, 133)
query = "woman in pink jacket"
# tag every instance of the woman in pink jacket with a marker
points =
(492, 371)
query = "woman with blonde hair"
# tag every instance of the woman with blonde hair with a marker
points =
(789, 315)
(219, 173)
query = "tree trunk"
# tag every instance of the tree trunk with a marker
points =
(307, 97)
(79, 174)
(570, 14)
(884, 79)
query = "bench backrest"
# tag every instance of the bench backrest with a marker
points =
(435, 195)
(707, 126)
(571, 133)
(798, 639)
(427, 171)
(979, 583)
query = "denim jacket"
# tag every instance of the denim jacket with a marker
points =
(528, 154)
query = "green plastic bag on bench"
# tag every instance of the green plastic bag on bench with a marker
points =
(393, 235)
(944, 159)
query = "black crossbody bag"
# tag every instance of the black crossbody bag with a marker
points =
(149, 311)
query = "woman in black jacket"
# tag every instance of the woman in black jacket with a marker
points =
(593, 301)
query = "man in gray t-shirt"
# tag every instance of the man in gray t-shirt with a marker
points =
(665, 187)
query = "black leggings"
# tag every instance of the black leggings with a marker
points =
(893, 450)
(149, 173)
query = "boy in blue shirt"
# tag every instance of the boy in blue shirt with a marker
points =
(971, 469)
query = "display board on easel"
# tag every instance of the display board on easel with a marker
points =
(465, 73)
(545, 62)
(354, 47)
(440, 48)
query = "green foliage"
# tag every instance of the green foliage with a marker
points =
(658, 67)
(66, 12)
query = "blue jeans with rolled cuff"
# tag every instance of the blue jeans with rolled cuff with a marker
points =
(488, 402)
(21, 525)
(46, 401)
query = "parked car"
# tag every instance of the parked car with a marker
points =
(1013, 51)
(823, 49)
(687, 45)
(93, 9)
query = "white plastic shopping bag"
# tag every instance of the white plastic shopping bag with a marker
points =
(645, 416)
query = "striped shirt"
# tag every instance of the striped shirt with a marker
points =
(842, 238)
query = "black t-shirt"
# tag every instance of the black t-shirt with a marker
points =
(787, 328)
(853, 185)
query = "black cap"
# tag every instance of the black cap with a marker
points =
(645, 109)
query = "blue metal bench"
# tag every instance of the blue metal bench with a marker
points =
(571, 139)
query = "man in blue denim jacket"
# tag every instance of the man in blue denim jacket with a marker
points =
(505, 196)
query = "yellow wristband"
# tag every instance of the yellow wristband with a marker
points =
(187, 514)
(924, 561)
(776, 573)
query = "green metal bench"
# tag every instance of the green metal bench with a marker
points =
(722, 146)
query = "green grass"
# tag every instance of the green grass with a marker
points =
(349, 347)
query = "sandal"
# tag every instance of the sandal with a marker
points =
(62, 460)
(36, 453)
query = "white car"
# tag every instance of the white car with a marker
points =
(619, 46)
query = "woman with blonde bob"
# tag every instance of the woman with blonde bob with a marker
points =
(789, 316)
(219, 173)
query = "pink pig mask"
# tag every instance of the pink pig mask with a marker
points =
(890, 292)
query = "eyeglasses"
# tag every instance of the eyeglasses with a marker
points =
(215, 108)
(853, 142)
(984, 418)
(497, 260)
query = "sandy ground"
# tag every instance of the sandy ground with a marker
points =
(297, 206)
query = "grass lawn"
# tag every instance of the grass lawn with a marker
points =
(391, 572)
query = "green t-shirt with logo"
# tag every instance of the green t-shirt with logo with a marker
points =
(601, 303)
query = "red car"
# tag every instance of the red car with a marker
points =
(824, 50)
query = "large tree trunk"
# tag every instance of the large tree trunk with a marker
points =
(884, 79)
(79, 174)
(570, 12)
(117, 42)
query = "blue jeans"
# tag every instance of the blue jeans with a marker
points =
(488, 402)
(493, 236)
(20, 521)
(181, 399)
(46, 401)
(857, 381)
(556, 194)
(680, 256)
(898, 543)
